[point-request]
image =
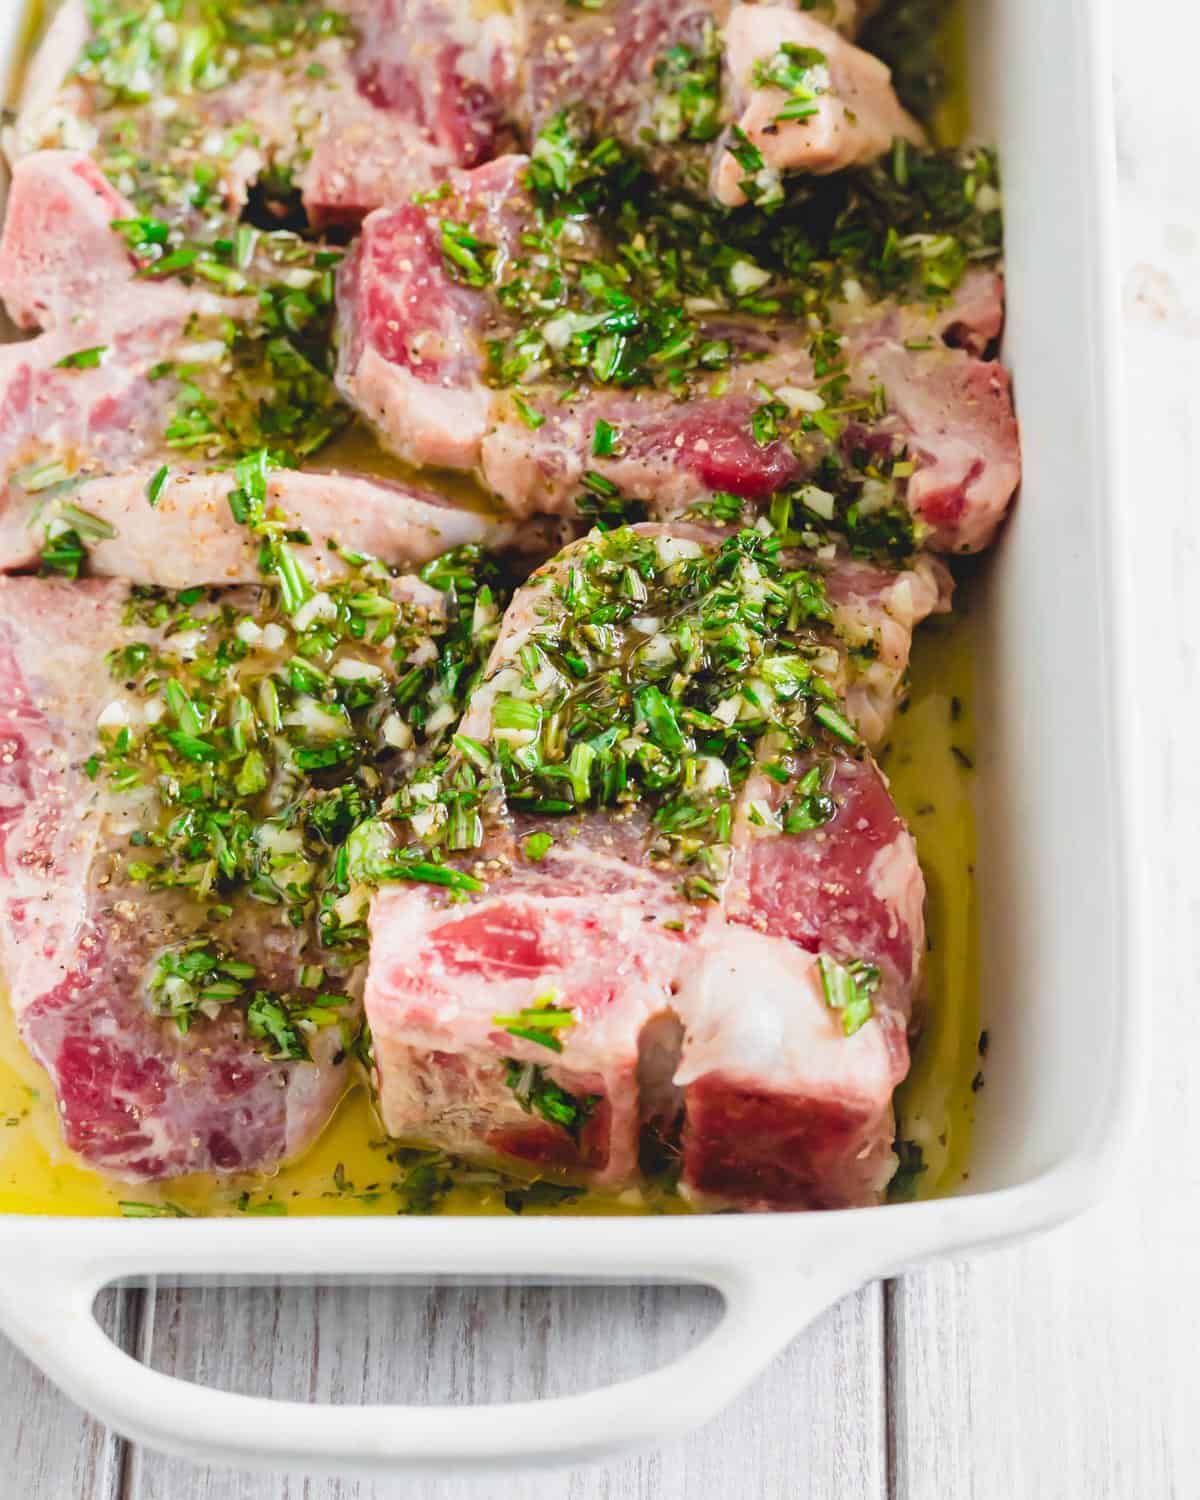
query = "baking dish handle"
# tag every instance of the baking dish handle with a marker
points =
(48, 1312)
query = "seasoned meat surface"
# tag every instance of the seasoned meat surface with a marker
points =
(86, 412)
(421, 325)
(608, 978)
(720, 99)
(313, 772)
(137, 1097)
(178, 768)
(379, 98)
(804, 99)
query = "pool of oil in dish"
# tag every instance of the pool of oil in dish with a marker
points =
(350, 1168)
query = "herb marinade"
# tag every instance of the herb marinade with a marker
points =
(299, 742)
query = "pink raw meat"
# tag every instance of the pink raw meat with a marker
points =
(430, 89)
(136, 1098)
(618, 64)
(855, 114)
(706, 1026)
(438, 975)
(64, 269)
(363, 119)
(413, 362)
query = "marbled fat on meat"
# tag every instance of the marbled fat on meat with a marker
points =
(413, 363)
(136, 1098)
(64, 270)
(417, 87)
(616, 65)
(705, 1026)
(439, 975)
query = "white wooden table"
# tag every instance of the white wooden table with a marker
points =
(1066, 1367)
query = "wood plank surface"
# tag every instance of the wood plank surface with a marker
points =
(813, 1426)
(49, 1449)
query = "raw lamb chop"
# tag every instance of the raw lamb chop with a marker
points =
(586, 923)
(779, 1102)
(137, 1098)
(716, 98)
(420, 326)
(875, 612)
(741, 996)
(190, 535)
(374, 101)
(171, 777)
(87, 436)
(80, 394)
(804, 101)
(381, 103)
(432, 86)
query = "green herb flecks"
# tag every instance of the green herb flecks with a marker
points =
(196, 979)
(540, 1196)
(199, 979)
(848, 988)
(655, 672)
(540, 1022)
(264, 381)
(138, 52)
(154, 486)
(538, 1094)
(687, 98)
(269, 727)
(68, 532)
(466, 257)
(82, 359)
(905, 1185)
(801, 73)
(615, 280)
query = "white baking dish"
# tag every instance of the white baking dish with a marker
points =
(1059, 882)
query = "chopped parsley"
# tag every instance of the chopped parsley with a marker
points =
(138, 52)
(268, 1021)
(199, 979)
(911, 1165)
(761, 184)
(540, 1022)
(537, 846)
(68, 532)
(801, 73)
(687, 97)
(270, 723)
(169, 135)
(426, 1178)
(132, 1209)
(467, 258)
(262, 382)
(613, 279)
(848, 988)
(655, 672)
(82, 359)
(538, 1094)
(196, 979)
(605, 438)
(154, 486)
